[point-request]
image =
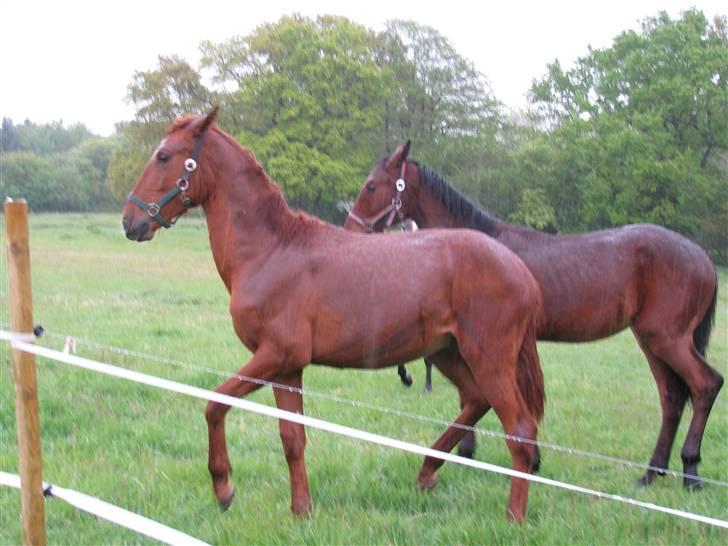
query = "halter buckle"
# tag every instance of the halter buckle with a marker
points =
(190, 165)
(400, 185)
(153, 209)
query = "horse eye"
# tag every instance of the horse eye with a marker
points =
(371, 187)
(162, 157)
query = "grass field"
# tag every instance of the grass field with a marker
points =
(146, 450)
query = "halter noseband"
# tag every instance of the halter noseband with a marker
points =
(154, 209)
(393, 209)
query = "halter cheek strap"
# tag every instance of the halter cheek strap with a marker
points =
(153, 209)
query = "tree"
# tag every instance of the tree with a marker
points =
(309, 100)
(130, 151)
(171, 91)
(56, 183)
(439, 96)
(648, 120)
(9, 139)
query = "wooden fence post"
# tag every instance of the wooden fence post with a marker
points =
(26, 392)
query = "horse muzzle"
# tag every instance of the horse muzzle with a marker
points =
(139, 230)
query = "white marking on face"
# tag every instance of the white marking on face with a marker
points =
(161, 145)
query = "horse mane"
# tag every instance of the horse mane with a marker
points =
(457, 204)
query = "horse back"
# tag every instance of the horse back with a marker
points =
(596, 284)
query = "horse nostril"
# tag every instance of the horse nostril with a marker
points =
(136, 231)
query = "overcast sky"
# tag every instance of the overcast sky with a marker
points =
(72, 60)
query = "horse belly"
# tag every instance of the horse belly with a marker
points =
(377, 341)
(586, 316)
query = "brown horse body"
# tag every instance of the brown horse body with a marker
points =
(645, 277)
(303, 291)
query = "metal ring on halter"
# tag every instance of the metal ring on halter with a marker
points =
(397, 203)
(152, 209)
(183, 184)
(400, 185)
(190, 164)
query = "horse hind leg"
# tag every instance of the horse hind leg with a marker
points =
(495, 374)
(673, 393)
(703, 395)
(703, 382)
(473, 407)
(466, 448)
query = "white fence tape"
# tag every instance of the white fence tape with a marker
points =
(111, 513)
(333, 427)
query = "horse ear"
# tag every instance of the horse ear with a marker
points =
(207, 121)
(399, 155)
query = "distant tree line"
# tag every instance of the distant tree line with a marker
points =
(55, 168)
(636, 132)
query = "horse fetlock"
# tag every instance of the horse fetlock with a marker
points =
(516, 516)
(223, 488)
(692, 483)
(302, 507)
(225, 502)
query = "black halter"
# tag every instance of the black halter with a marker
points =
(153, 209)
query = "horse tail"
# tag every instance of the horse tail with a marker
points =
(529, 375)
(701, 335)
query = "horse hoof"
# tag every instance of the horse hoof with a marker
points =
(225, 503)
(407, 381)
(649, 477)
(427, 484)
(693, 484)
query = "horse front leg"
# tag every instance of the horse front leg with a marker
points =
(293, 438)
(261, 366)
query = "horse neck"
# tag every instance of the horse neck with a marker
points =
(446, 207)
(246, 213)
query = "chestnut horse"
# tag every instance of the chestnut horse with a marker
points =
(304, 291)
(657, 282)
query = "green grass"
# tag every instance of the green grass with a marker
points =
(146, 449)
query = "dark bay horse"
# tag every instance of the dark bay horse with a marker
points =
(304, 291)
(645, 277)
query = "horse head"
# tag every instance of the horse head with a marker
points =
(382, 198)
(171, 181)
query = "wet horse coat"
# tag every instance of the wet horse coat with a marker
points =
(303, 291)
(645, 277)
